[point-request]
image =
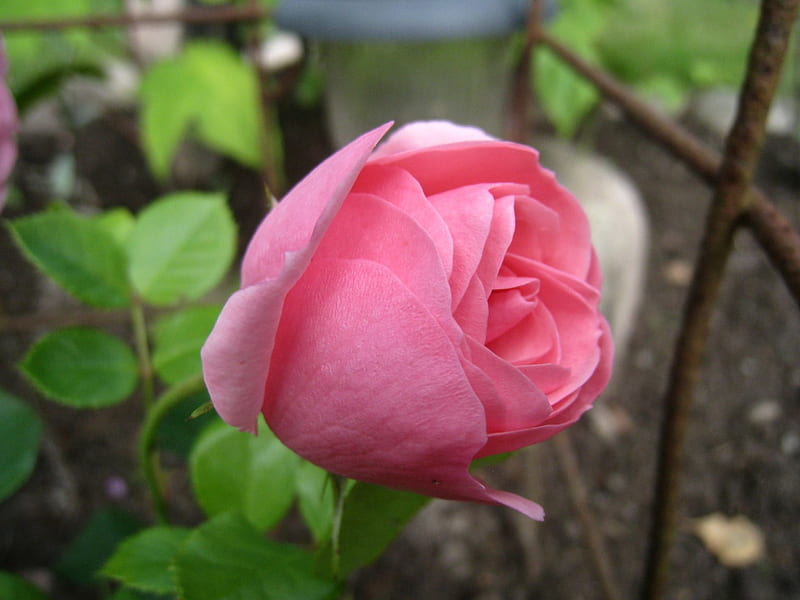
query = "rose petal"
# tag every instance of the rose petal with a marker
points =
(301, 218)
(481, 162)
(342, 324)
(236, 354)
(423, 134)
(401, 189)
(468, 213)
(367, 227)
(519, 403)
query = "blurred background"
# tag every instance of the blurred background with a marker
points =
(117, 116)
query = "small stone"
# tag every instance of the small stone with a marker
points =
(764, 412)
(678, 272)
(790, 443)
(737, 542)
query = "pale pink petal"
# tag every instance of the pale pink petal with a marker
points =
(301, 218)
(237, 353)
(507, 307)
(423, 134)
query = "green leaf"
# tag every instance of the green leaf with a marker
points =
(82, 367)
(89, 551)
(127, 593)
(143, 560)
(42, 60)
(118, 222)
(226, 559)
(315, 498)
(177, 341)
(565, 96)
(16, 588)
(20, 432)
(373, 517)
(181, 246)
(177, 431)
(233, 470)
(210, 89)
(78, 253)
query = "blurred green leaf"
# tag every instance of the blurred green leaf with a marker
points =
(118, 222)
(181, 246)
(82, 367)
(566, 97)
(95, 543)
(227, 559)
(233, 470)
(695, 44)
(373, 517)
(40, 61)
(127, 593)
(209, 90)
(78, 253)
(315, 497)
(20, 433)
(178, 338)
(143, 560)
(16, 588)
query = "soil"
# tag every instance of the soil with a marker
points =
(743, 448)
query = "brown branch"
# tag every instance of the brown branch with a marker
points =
(777, 237)
(522, 80)
(220, 14)
(731, 200)
(567, 461)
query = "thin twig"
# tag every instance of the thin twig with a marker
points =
(567, 461)
(218, 14)
(731, 199)
(777, 237)
(522, 79)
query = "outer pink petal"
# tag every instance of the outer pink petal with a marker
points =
(236, 355)
(423, 134)
(298, 222)
(8, 129)
(332, 399)
(367, 227)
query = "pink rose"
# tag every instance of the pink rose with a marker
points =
(407, 311)
(8, 128)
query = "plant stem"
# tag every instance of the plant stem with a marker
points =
(731, 200)
(198, 14)
(339, 494)
(142, 351)
(148, 455)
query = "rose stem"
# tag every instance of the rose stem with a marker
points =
(142, 350)
(339, 493)
(729, 203)
(148, 454)
(771, 228)
(568, 463)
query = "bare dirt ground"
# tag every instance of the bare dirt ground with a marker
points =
(743, 451)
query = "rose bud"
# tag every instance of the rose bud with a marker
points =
(405, 312)
(8, 128)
